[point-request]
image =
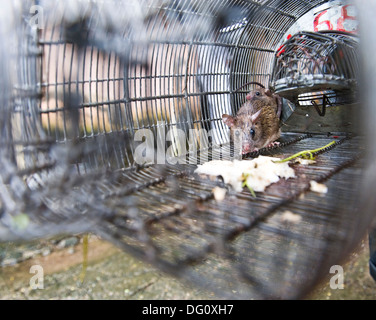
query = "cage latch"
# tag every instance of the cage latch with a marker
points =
(325, 102)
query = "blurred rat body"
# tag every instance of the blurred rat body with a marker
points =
(260, 98)
(258, 120)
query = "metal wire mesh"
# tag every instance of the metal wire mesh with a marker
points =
(309, 62)
(94, 75)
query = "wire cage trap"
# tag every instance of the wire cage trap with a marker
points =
(106, 112)
(318, 67)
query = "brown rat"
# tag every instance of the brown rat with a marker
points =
(260, 98)
(259, 130)
(258, 120)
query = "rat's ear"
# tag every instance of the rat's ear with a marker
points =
(268, 93)
(228, 120)
(255, 116)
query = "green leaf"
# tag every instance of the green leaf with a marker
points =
(20, 221)
(306, 154)
(245, 184)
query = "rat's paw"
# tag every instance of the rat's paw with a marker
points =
(274, 144)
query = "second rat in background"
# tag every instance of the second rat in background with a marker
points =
(260, 98)
(258, 120)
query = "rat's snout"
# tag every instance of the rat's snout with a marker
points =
(246, 148)
(248, 97)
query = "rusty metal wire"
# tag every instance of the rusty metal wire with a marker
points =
(309, 62)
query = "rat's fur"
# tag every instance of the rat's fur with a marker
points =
(261, 112)
(260, 98)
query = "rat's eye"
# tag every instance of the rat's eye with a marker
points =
(257, 93)
(252, 132)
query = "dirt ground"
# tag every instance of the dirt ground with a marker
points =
(112, 274)
(358, 284)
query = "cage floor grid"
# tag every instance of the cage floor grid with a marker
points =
(168, 216)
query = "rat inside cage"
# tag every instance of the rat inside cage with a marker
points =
(122, 100)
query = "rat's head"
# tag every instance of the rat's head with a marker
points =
(247, 128)
(262, 96)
